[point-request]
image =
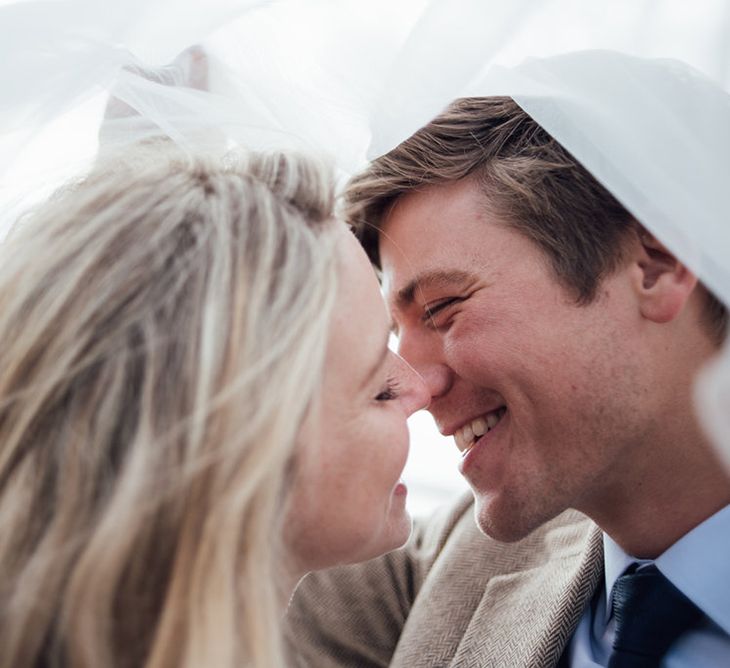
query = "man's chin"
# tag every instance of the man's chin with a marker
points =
(507, 521)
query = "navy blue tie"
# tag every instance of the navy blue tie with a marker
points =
(651, 613)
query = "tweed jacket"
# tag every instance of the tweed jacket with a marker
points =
(453, 598)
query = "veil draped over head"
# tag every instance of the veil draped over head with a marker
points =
(637, 90)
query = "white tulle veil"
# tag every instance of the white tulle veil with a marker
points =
(637, 90)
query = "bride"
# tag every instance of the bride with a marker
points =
(198, 406)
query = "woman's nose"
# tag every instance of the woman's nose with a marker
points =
(414, 392)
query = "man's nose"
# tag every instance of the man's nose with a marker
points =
(426, 359)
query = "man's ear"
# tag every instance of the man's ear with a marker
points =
(664, 284)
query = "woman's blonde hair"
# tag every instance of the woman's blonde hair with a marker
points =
(163, 325)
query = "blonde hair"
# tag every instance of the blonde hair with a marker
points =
(164, 325)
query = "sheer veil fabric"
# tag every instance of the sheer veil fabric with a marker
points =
(637, 90)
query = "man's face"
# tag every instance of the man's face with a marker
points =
(503, 345)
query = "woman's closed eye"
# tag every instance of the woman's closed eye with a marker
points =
(389, 391)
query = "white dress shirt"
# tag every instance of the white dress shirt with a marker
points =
(698, 564)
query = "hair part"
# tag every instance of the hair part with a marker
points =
(164, 328)
(530, 182)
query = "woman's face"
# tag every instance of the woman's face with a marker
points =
(347, 501)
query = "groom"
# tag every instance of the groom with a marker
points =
(559, 340)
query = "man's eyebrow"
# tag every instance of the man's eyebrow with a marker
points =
(430, 279)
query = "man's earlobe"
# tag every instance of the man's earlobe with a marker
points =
(666, 283)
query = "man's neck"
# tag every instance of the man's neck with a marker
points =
(647, 513)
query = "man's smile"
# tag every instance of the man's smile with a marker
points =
(467, 435)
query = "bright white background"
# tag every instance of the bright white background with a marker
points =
(431, 473)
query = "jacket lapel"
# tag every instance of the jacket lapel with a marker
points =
(525, 618)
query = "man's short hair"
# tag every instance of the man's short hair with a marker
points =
(530, 182)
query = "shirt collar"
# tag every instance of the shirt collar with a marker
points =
(698, 564)
(616, 561)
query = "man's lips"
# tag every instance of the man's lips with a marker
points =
(450, 420)
(466, 435)
(484, 453)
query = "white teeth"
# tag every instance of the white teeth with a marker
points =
(480, 426)
(466, 436)
(461, 442)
